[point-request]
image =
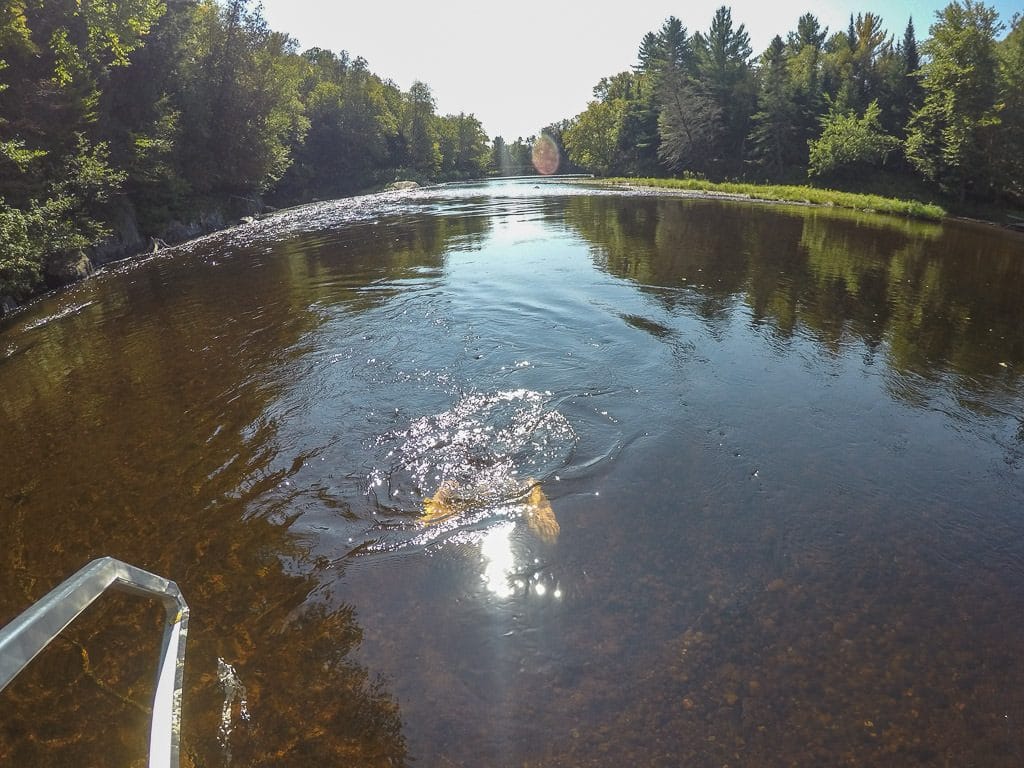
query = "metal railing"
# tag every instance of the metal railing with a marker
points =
(25, 637)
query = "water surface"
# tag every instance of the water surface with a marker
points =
(783, 449)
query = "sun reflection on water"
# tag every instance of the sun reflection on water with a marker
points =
(498, 560)
(506, 572)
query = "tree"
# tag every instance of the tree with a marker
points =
(499, 162)
(805, 49)
(690, 120)
(725, 76)
(775, 123)
(592, 139)
(951, 137)
(463, 145)
(1010, 138)
(241, 111)
(848, 141)
(420, 131)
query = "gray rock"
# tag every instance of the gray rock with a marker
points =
(68, 268)
(126, 239)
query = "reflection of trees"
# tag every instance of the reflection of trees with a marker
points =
(144, 427)
(941, 299)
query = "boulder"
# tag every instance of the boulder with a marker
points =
(207, 222)
(7, 305)
(68, 268)
(126, 239)
(401, 185)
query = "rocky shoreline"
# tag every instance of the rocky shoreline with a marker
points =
(127, 241)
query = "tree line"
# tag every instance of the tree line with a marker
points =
(164, 110)
(161, 111)
(840, 106)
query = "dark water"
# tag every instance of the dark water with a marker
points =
(784, 448)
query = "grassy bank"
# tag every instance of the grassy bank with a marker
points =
(794, 194)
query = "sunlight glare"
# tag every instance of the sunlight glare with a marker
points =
(498, 560)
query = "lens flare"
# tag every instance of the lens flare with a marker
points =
(546, 157)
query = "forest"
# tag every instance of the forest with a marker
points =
(150, 115)
(941, 117)
(162, 117)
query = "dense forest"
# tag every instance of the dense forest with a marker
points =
(165, 117)
(123, 119)
(946, 115)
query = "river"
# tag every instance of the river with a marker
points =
(528, 473)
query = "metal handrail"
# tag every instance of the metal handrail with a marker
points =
(25, 637)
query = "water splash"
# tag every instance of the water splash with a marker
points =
(234, 692)
(487, 445)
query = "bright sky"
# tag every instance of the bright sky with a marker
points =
(519, 68)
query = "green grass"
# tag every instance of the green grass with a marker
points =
(796, 194)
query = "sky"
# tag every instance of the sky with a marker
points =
(520, 67)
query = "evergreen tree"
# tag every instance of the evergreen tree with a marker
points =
(689, 122)
(905, 85)
(775, 124)
(805, 56)
(724, 72)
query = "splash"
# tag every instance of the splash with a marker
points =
(234, 691)
(483, 461)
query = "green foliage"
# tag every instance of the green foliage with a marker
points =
(1010, 137)
(773, 137)
(420, 129)
(15, 152)
(242, 113)
(592, 139)
(463, 145)
(20, 256)
(785, 193)
(951, 137)
(29, 238)
(848, 141)
(724, 75)
(689, 122)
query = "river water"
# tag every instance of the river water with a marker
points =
(530, 474)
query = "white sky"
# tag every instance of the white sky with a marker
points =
(521, 67)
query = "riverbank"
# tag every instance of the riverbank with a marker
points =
(788, 194)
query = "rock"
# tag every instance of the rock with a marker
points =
(401, 185)
(126, 239)
(7, 305)
(68, 268)
(208, 221)
(179, 232)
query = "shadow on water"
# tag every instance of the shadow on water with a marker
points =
(783, 445)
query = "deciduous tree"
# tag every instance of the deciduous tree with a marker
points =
(951, 137)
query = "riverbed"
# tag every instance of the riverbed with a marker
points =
(532, 474)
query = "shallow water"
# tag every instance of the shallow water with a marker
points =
(783, 449)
